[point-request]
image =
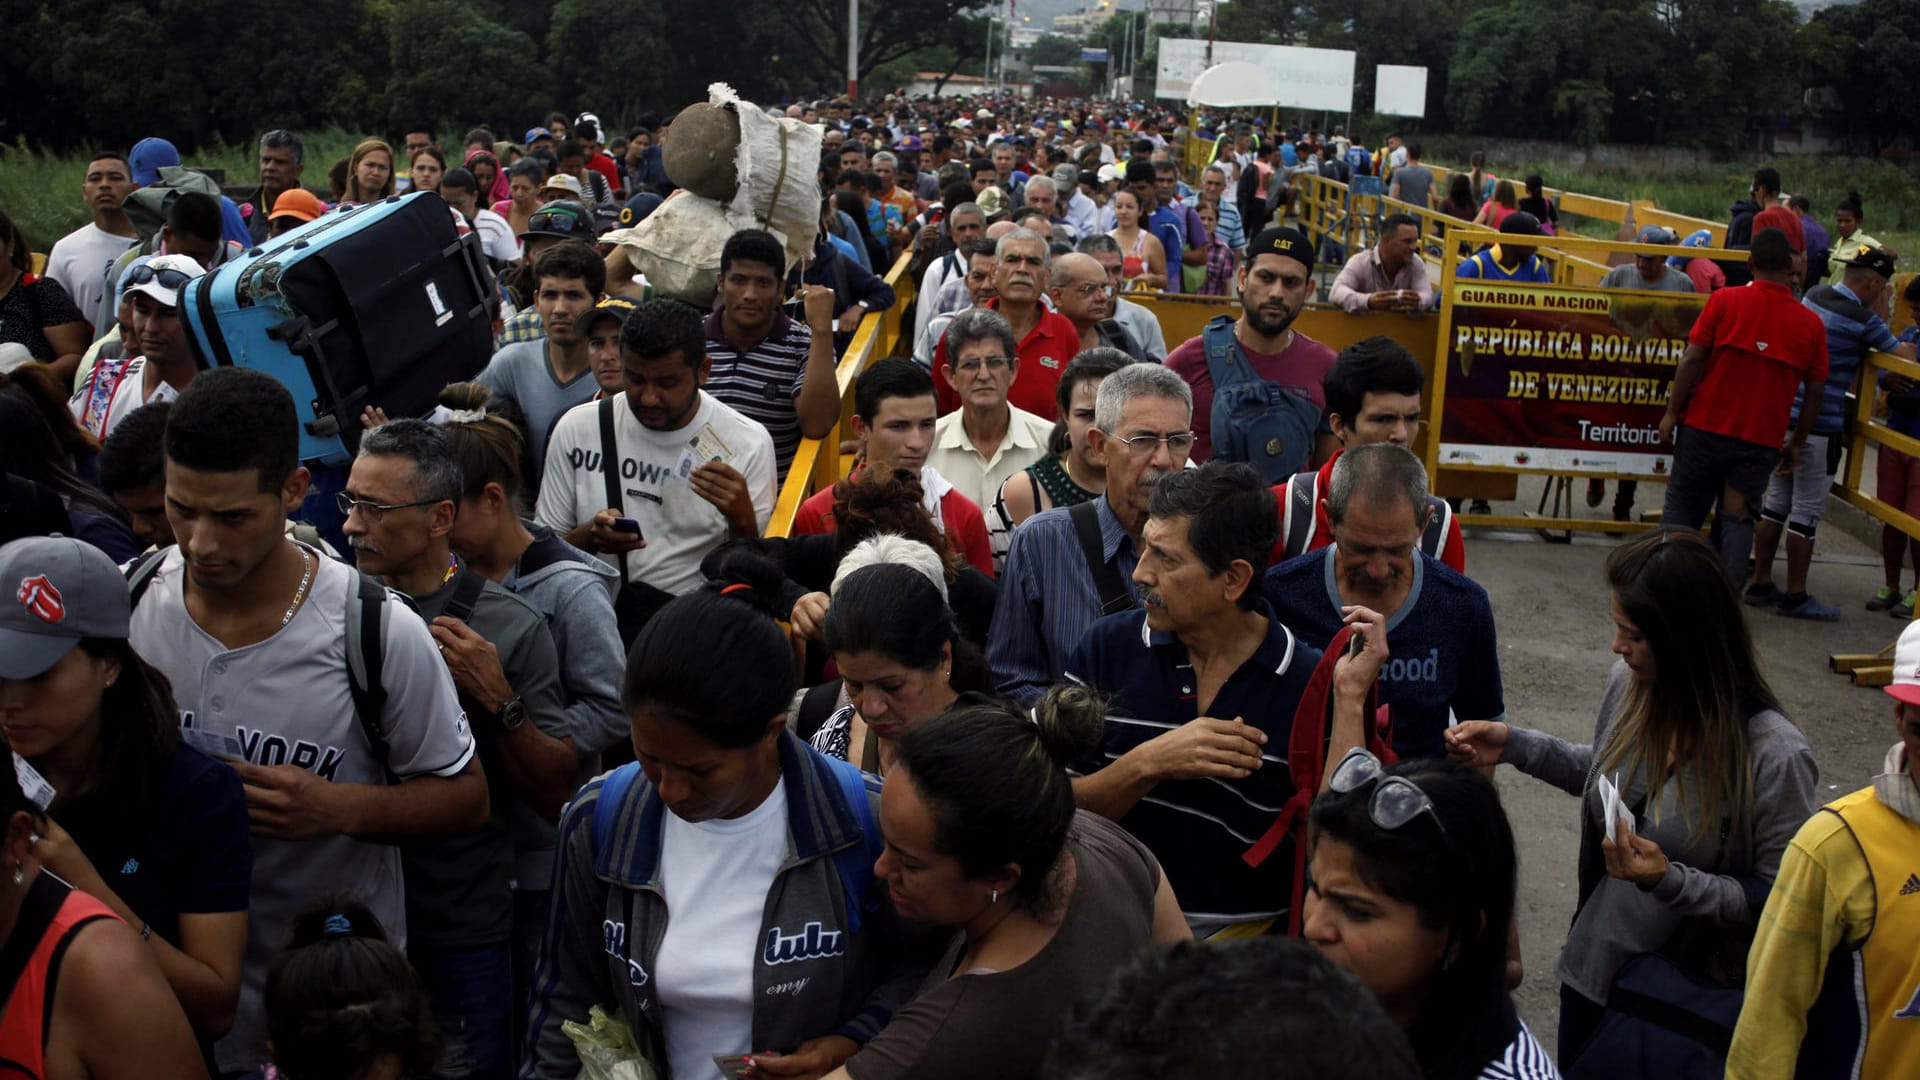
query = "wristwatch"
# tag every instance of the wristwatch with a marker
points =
(511, 714)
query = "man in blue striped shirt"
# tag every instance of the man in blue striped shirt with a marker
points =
(1052, 587)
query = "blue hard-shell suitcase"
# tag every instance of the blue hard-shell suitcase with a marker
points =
(379, 304)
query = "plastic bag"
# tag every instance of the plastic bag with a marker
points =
(607, 1049)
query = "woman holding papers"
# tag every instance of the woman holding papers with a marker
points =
(1704, 777)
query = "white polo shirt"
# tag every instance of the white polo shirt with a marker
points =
(286, 700)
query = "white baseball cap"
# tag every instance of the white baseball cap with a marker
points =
(1905, 687)
(163, 277)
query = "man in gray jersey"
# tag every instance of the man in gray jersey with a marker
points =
(250, 629)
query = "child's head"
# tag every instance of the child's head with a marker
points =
(343, 1004)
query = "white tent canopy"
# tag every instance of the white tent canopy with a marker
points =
(1234, 84)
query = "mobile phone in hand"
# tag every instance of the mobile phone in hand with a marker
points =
(732, 1066)
(626, 525)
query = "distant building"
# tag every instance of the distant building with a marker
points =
(961, 85)
(1083, 23)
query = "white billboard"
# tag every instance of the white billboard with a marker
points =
(1400, 91)
(1320, 79)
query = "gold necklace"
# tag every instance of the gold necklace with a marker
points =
(307, 563)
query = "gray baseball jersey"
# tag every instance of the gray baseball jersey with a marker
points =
(286, 701)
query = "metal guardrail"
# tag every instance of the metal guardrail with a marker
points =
(1873, 669)
(816, 464)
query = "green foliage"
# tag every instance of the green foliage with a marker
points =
(1053, 50)
(1857, 61)
(447, 63)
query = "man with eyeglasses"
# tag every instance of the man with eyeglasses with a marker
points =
(1082, 292)
(986, 440)
(1373, 396)
(114, 388)
(1068, 566)
(1445, 662)
(399, 504)
(1141, 325)
(1204, 680)
(1047, 341)
(251, 630)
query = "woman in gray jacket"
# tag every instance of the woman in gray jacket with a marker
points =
(1716, 780)
(718, 895)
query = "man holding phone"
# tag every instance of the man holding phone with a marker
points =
(688, 470)
(1389, 277)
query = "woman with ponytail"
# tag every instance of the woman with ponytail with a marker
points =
(1047, 902)
(343, 1004)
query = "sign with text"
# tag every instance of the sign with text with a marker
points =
(1560, 378)
(1308, 78)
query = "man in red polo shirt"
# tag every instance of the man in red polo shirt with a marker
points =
(1047, 339)
(893, 418)
(1373, 396)
(1274, 282)
(1732, 396)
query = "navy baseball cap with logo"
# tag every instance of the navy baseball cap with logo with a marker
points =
(1291, 243)
(1874, 259)
(58, 591)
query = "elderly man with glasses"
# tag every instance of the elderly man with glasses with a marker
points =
(987, 440)
(1083, 293)
(1070, 565)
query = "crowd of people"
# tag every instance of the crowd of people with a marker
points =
(519, 749)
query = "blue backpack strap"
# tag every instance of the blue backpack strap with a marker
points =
(606, 809)
(1433, 540)
(855, 862)
(1300, 513)
(1225, 368)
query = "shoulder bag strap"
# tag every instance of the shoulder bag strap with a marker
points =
(610, 469)
(366, 657)
(467, 587)
(1115, 595)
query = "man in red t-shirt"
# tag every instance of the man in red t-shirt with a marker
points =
(1048, 340)
(1751, 349)
(1274, 282)
(893, 416)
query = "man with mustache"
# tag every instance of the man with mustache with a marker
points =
(1439, 623)
(1070, 565)
(1274, 283)
(1047, 339)
(1204, 683)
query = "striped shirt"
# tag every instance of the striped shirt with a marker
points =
(762, 383)
(1199, 829)
(1525, 1059)
(1048, 598)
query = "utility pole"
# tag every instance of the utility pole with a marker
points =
(986, 70)
(853, 50)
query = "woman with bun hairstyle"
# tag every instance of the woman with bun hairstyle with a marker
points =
(1413, 875)
(343, 1004)
(900, 656)
(719, 895)
(1047, 902)
(571, 588)
(84, 995)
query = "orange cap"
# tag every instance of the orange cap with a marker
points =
(297, 203)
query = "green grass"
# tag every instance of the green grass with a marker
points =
(1889, 192)
(42, 192)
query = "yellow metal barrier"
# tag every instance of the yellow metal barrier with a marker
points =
(816, 464)
(1873, 669)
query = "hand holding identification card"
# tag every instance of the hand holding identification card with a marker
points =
(214, 744)
(32, 784)
(732, 1066)
(1613, 808)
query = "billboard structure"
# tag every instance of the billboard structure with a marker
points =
(1400, 90)
(1320, 79)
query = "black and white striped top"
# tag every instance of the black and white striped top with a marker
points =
(1524, 1059)
(763, 382)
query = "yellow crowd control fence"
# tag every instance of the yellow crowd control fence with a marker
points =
(816, 464)
(1874, 669)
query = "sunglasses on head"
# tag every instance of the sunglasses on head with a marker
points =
(1396, 800)
(556, 221)
(168, 277)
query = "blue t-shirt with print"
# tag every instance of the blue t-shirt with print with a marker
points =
(1169, 227)
(1443, 661)
(1852, 332)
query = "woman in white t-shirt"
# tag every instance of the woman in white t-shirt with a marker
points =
(727, 874)
(1413, 874)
